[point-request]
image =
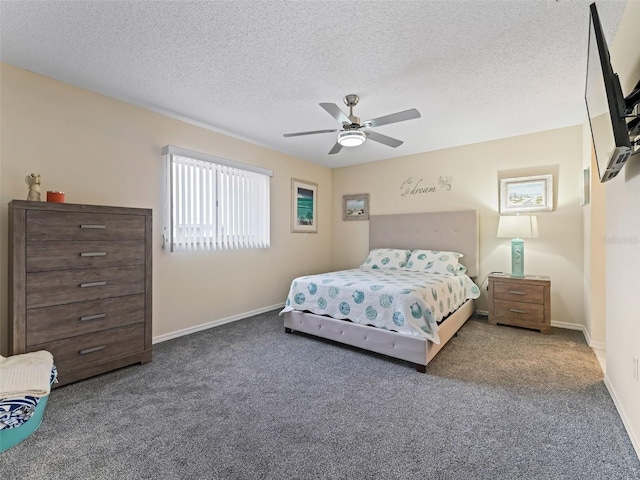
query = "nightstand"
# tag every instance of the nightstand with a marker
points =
(520, 301)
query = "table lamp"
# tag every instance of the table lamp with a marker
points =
(517, 227)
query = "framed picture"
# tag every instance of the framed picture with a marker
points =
(304, 206)
(526, 194)
(585, 185)
(355, 207)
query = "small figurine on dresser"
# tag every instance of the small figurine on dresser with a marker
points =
(33, 181)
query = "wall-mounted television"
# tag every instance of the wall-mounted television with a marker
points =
(607, 108)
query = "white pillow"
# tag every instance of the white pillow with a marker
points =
(435, 261)
(386, 258)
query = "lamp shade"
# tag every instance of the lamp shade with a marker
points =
(518, 226)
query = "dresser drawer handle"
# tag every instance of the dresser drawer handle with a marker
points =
(92, 284)
(93, 317)
(92, 226)
(515, 310)
(93, 254)
(91, 350)
(515, 292)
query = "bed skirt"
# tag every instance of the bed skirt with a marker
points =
(417, 350)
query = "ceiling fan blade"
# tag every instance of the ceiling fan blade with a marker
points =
(335, 112)
(393, 118)
(336, 148)
(308, 133)
(378, 137)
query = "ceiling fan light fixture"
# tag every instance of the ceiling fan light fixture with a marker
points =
(351, 138)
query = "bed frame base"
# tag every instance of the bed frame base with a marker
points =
(416, 350)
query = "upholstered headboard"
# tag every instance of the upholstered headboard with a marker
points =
(451, 231)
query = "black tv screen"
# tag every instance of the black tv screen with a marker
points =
(605, 105)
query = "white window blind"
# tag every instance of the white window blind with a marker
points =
(214, 203)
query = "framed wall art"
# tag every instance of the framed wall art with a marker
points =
(526, 194)
(355, 207)
(304, 206)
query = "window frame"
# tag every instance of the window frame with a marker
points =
(227, 173)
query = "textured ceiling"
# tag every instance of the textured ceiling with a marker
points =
(476, 70)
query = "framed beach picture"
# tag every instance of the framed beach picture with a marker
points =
(304, 206)
(526, 194)
(355, 207)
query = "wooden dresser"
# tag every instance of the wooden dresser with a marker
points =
(80, 285)
(521, 302)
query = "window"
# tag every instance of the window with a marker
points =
(213, 203)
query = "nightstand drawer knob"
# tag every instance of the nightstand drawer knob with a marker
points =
(515, 292)
(515, 310)
(93, 254)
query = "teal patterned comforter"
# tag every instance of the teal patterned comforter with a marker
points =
(412, 303)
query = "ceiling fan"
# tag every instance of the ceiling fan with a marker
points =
(353, 132)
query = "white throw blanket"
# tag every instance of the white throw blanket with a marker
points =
(26, 374)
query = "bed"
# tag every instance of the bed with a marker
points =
(447, 231)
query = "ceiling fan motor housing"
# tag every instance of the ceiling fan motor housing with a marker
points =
(351, 100)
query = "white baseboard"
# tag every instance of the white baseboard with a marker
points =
(600, 346)
(215, 323)
(627, 425)
(576, 326)
(568, 326)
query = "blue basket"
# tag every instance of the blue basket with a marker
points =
(10, 437)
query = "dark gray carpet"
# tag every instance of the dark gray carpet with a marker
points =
(247, 401)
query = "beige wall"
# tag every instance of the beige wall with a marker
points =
(102, 151)
(475, 171)
(623, 246)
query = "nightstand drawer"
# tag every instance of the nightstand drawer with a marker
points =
(518, 292)
(525, 312)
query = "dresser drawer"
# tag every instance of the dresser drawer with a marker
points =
(94, 348)
(518, 292)
(55, 226)
(524, 312)
(45, 256)
(45, 289)
(54, 323)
